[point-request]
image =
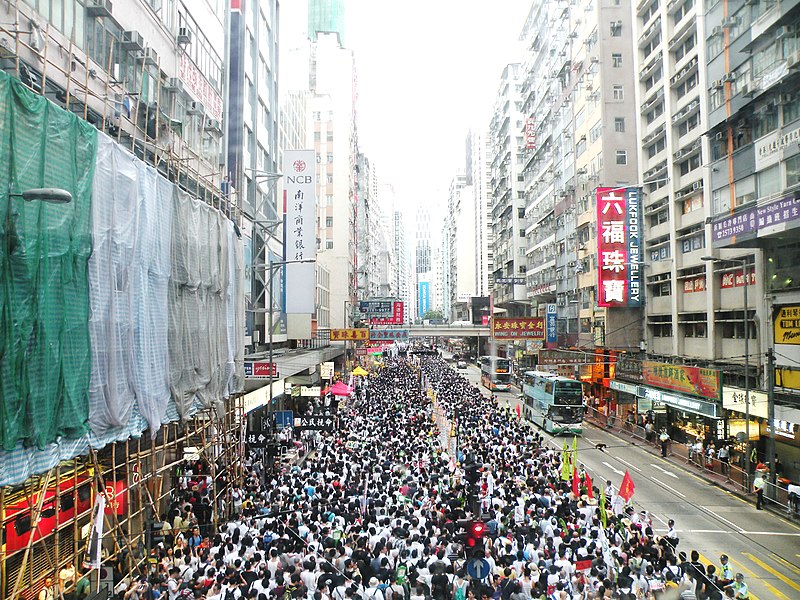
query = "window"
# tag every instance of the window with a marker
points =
(317, 115)
(685, 47)
(329, 178)
(616, 60)
(619, 92)
(622, 157)
(657, 111)
(328, 199)
(765, 120)
(688, 85)
(768, 181)
(330, 157)
(695, 330)
(689, 124)
(580, 147)
(329, 244)
(793, 170)
(328, 221)
(661, 289)
(596, 132)
(330, 136)
(662, 216)
(619, 124)
(657, 147)
(690, 164)
(791, 110)
(695, 242)
(661, 329)
(616, 28)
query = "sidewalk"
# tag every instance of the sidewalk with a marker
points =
(678, 455)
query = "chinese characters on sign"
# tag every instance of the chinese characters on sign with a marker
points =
(260, 370)
(376, 307)
(300, 203)
(388, 335)
(748, 224)
(695, 284)
(315, 422)
(518, 327)
(199, 86)
(530, 133)
(396, 318)
(552, 318)
(680, 378)
(619, 247)
(346, 335)
(256, 439)
(737, 278)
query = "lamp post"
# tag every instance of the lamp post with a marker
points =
(271, 267)
(49, 195)
(744, 262)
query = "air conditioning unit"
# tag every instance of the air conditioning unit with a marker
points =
(745, 90)
(697, 185)
(98, 8)
(793, 60)
(717, 83)
(728, 77)
(784, 99)
(716, 31)
(195, 108)
(213, 125)
(678, 154)
(719, 136)
(132, 41)
(173, 85)
(781, 32)
(149, 57)
(184, 36)
(730, 22)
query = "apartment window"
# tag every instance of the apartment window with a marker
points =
(686, 47)
(596, 132)
(732, 325)
(329, 178)
(654, 43)
(330, 136)
(329, 244)
(693, 203)
(619, 124)
(689, 124)
(768, 181)
(720, 200)
(695, 330)
(316, 136)
(657, 111)
(654, 149)
(328, 221)
(616, 28)
(791, 110)
(580, 117)
(622, 157)
(694, 242)
(619, 92)
(580, 147)
(661, 289)
(317, 115)
(687, 85)
(330, 157)
(662, 216)
(661, 330)
(653, 79)
(328, 199)
(793, 170)
(765, 121)
(616, 60)
(690, 164)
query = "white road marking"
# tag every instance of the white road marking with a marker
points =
(617, 471)
(671, 474)
(732, 524)
(592, 442)
(632, 466)
(771, 533)
(725, 531)
(672, 489)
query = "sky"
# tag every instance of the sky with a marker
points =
(428, 71)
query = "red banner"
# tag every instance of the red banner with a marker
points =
(619, 248)
(397, 318)
(695, 284)
(736, 278)
(626, 488)
(531, 328)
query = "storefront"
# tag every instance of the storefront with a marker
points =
(623, 396)
(687, 418)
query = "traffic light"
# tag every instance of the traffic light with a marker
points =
(153, 535)
(472, 537)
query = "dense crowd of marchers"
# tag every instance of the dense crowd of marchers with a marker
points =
(373, 513)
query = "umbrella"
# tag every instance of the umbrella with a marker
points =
(359, 372)
(340, 389)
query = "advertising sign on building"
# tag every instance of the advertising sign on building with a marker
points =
(518, 327)
(199, 86)
(346, 335)
(326, 370)
(756, 221)
(733, 398)
(564, 357)
(381, 308)
(530, 133)
(300, 238)
(388, 335)
(681, 378)
(737, 278)
(619, 247)
(260, 370)
(424, 299)
(397, 317)
(551, 316)
(786, 329)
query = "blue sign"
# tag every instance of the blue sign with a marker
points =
(478, 568)
(388, 335)
(283, 419)
(424, 297)
(550, 323)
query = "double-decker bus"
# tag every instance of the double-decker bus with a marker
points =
(554, 403)
(495, 373)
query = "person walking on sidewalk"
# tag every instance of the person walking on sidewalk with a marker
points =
(758, 489)
(664, 439)
(724, 455)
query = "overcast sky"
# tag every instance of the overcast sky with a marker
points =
(428, 70)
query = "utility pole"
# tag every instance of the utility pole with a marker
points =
(771, 416)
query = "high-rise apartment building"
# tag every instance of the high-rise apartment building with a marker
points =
(507, 196)
(478, 164)
(459, 237)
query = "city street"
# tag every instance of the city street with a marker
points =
(760, 544)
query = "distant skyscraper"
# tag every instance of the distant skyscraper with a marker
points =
(326, 16)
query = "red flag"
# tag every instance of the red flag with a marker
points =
(627, 488)
(575, 483)
(519, 411)
(590, 492)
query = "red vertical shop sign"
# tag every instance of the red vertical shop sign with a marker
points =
(611, 252)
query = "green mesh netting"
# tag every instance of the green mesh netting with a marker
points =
(44, 250)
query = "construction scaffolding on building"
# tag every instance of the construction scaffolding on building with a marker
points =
(46, 522)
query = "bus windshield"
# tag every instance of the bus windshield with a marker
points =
(565, 414)
(501, 365)
(568, 392)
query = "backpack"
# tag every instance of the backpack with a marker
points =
(461, 591)
(229, 594)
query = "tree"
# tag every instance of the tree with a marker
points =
(433, 314)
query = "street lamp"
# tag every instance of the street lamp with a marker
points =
(49, 195)
(744, 262)
(271, 267)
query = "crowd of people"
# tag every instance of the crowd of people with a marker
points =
(375, 511)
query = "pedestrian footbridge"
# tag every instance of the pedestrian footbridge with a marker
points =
(449, 330)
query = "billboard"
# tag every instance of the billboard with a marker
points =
(619, 247)
(552, 319)
(424, 298)
(397, 317)
(518, 327)
(299, 229)
(681, 378)
(346, 335)
(388, 335)
(480, 310)
(786, 329)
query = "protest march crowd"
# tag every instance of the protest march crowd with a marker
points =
(373, 514)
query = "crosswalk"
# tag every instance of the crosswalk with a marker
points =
(767, 575)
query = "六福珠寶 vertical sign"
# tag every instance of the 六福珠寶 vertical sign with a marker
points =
(619, 247)
(300, 243)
